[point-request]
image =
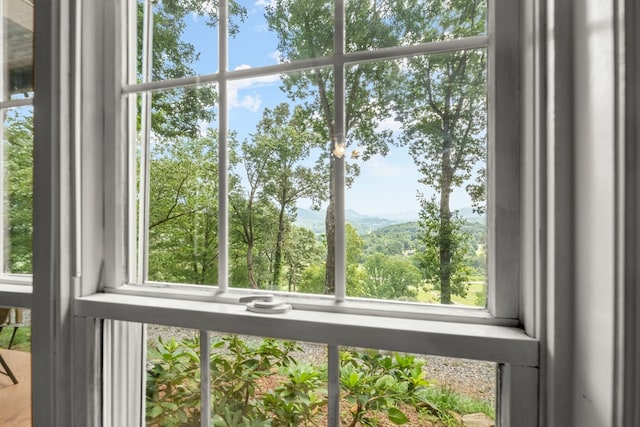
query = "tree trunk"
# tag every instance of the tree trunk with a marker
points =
(250, 275)
(445, 238)
(330, 227)
(277, 258)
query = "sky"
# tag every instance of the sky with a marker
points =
(387, 186)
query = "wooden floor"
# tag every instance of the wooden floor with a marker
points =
(15, 400)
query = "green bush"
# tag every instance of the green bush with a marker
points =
(373, 385)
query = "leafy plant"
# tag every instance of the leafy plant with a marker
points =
(173, 395)
(298, 401)
(374, 382)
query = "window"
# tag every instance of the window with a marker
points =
(173, 192)
(16, 97)
(345, 158)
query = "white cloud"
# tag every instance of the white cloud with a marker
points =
(276, 55)
(264, 3)
(380, 166)
(249, 101)
(389, 124)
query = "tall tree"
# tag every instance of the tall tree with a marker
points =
(442, 103)
(287, 180)
(18, 149)
(392, 277)
(180, 111)
(183, 209)
(248, 202)
(302, 29)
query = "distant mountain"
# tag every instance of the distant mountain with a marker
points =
(314, 220)
(470, 215)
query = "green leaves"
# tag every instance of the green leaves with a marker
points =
(397, 417)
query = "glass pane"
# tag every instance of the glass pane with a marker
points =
(279, 179)
(257, 380)
(17, 54)
(173, 377)
(382, 388)
(183, 185)
(388, 23)
(15, 350)
(417, 230)
(183, 36)
(17, 183)
(284, 31)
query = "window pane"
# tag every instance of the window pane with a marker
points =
(388, 23)
(278, 174)
(254, 380)
(15, 350)
(382, 388)
(183, 185)
(17, 183)
(173, 377)
(287, 31)
(183, 36)
(17, 54)
(416, 213)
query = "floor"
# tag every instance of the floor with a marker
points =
(15, 400)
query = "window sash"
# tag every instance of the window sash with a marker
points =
(501, 42)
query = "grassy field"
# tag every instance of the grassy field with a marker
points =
(22, 341)
(476, 296)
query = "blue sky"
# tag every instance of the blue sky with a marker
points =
(386, 186)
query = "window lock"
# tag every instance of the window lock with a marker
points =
(266, 304)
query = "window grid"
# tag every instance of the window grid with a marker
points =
(337, 62)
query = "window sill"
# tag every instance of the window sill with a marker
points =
(15, 295)
(502, 344)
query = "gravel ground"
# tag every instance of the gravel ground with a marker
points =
(472, 378)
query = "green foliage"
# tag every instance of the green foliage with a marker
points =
(298, 400)
(183, 209)
(173, 394)
(391, 277)
(18, 145)
(444, 402)
(444, 235)
(374, 382)
(22, 340)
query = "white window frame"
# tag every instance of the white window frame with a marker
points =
(503, 186)
(471, 333)
(90, 237)
(16, 287)
(70, 344)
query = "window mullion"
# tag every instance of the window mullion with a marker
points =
(333, 385)
(143, 203)
(340, 141)
(205, 380)
(223, 155)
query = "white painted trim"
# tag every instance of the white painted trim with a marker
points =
(504, 159)
(367, 56)
(322, 303)
(15, 295)
(485, 342)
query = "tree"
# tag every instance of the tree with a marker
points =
(183, 209)
(391, 277)
(179, 111)
(18, 145)
(249, 205)
(442, 104)
(301, 252)
(290, 140)
(458, 267)
(301, 27)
